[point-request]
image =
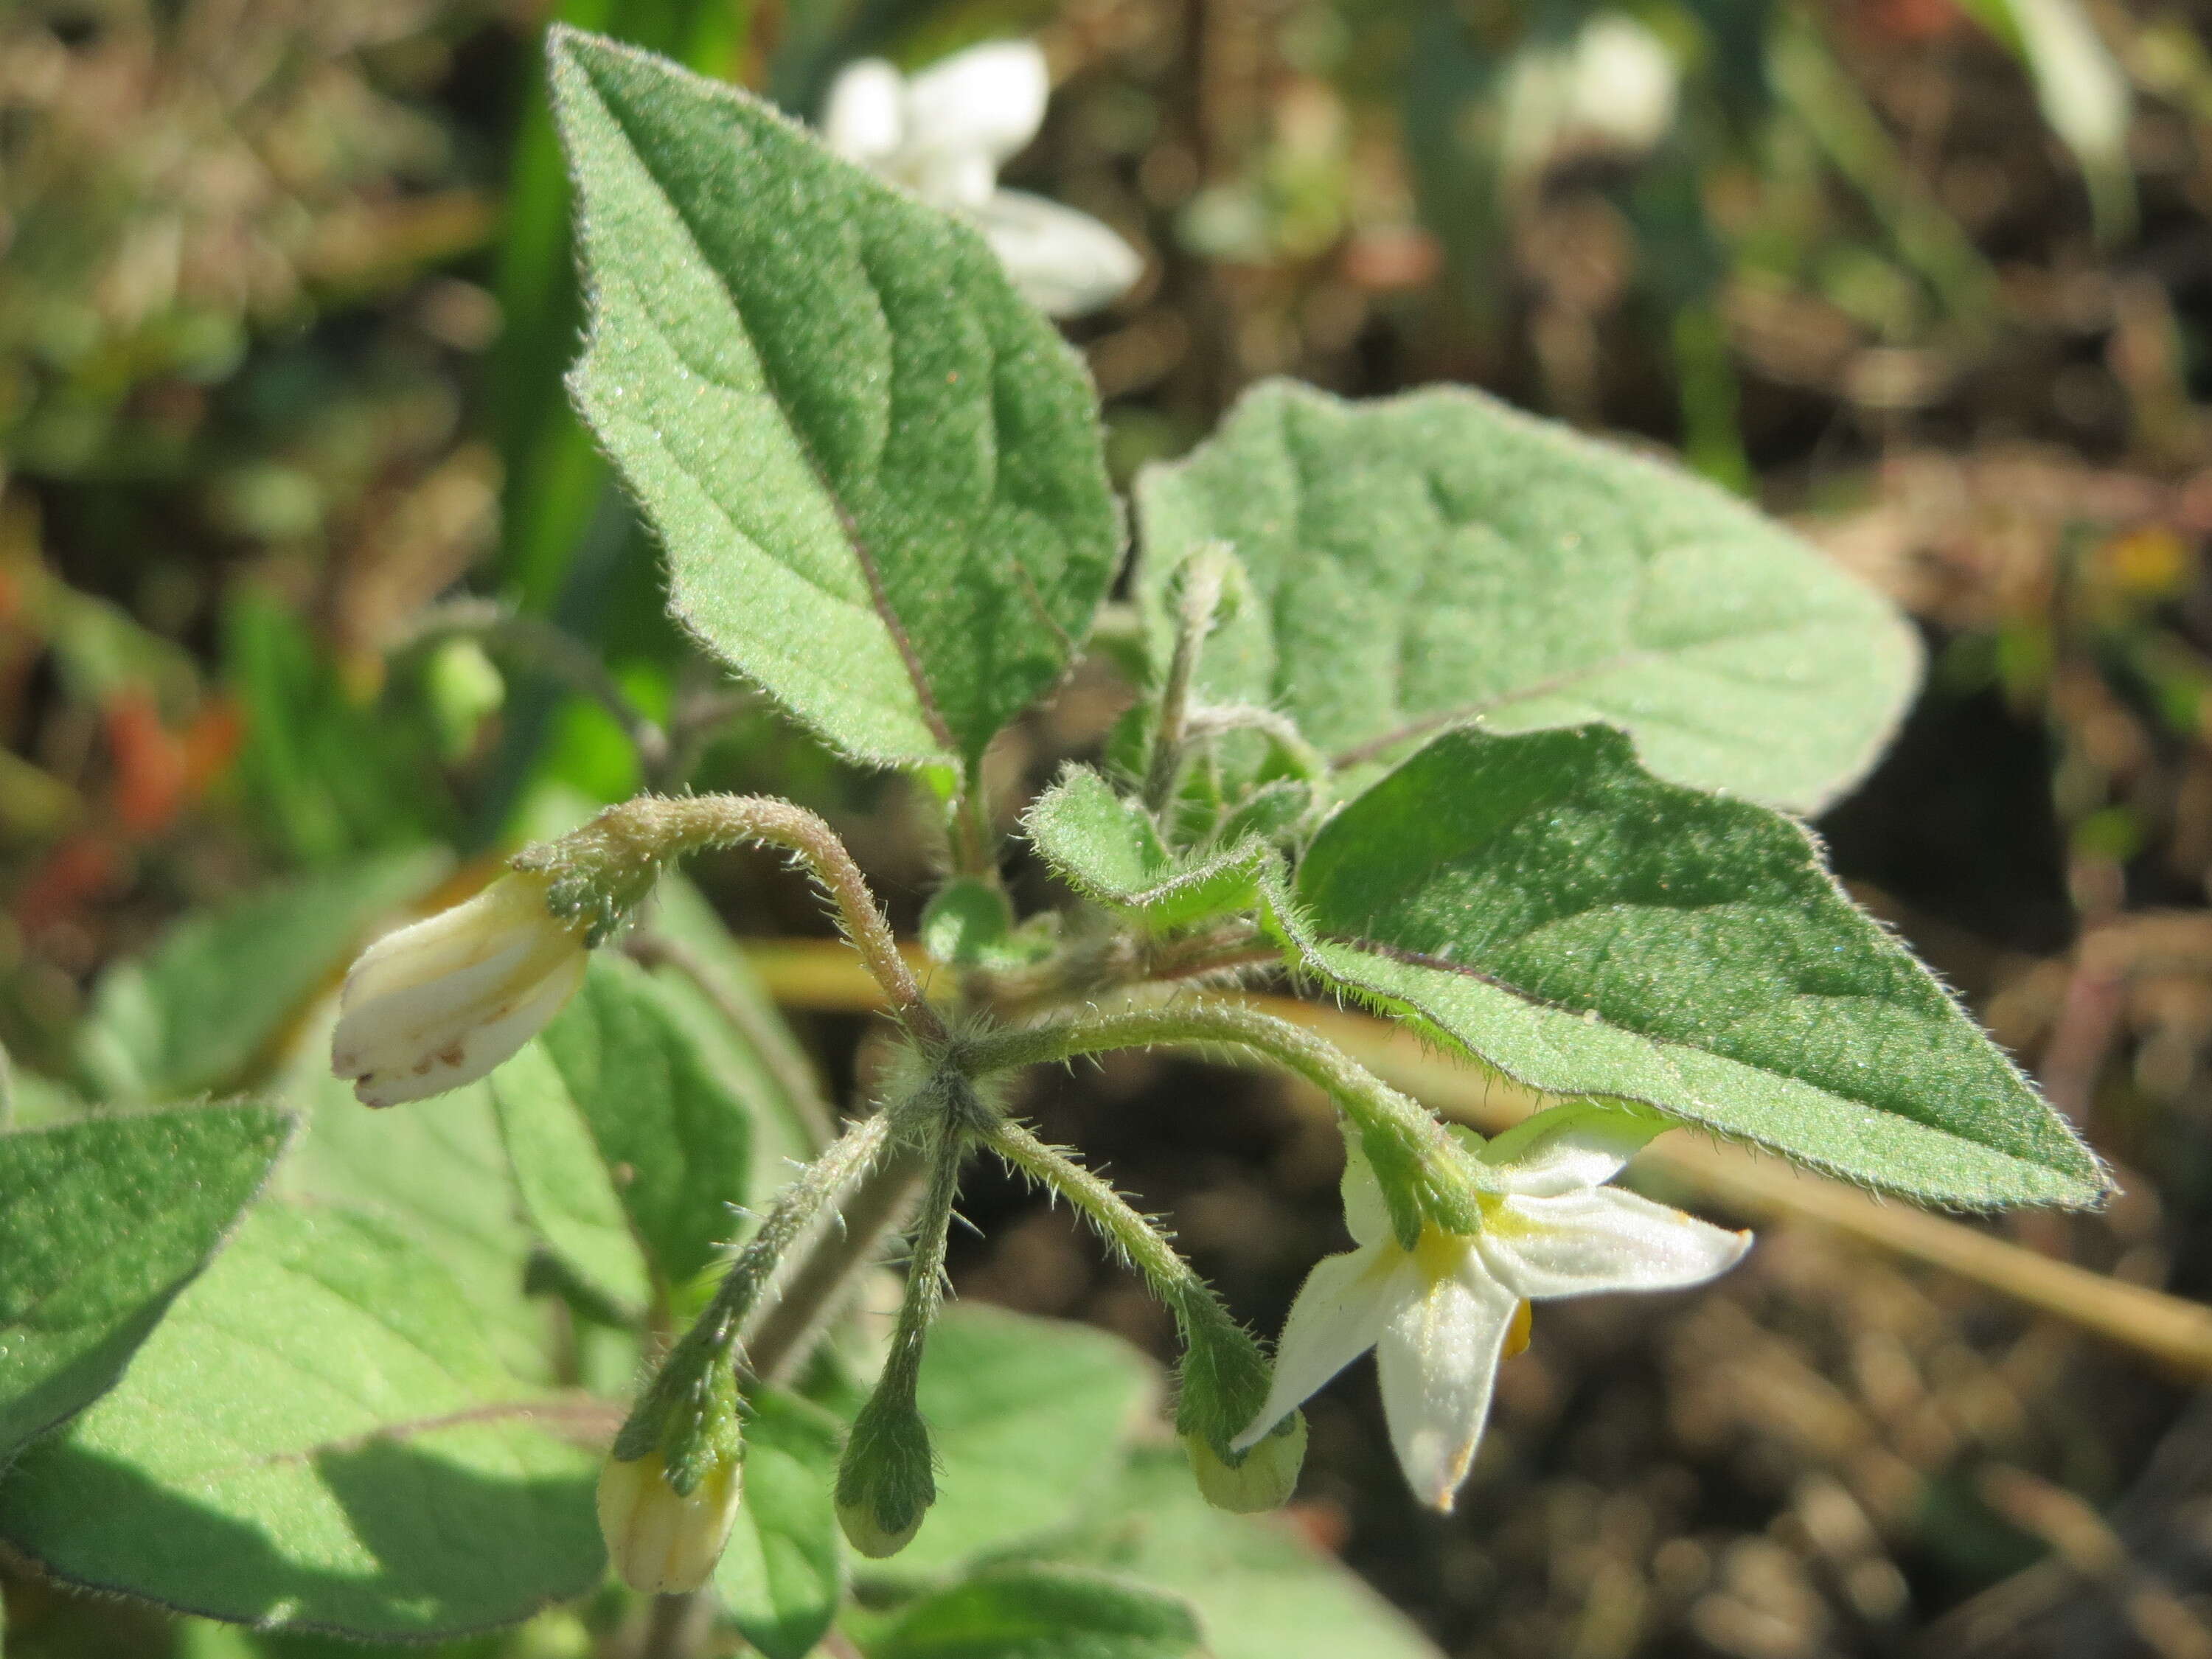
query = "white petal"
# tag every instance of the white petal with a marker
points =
(410, 999)
(474, 1052)
(1565, 1149)
(963, 180)
(1437, 1359)
(1623, 83)
(988, 99)
(1606, 1239)
(1067, 262)
(865, 118)
(1338, 1310)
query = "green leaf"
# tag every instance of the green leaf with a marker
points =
(674, 1139)
(1107, 848)
(318, 1438)
(1545, 903)
(1438, 557)
(1031, 1419)
(782, 1578)
(1261, 1590)
(1042, 1612)
(752, 1047)
(197, 1009)
(437, 1172)
(877, 472)
(102, 1223)
(565, 1188)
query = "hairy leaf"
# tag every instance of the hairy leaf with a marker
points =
(318, 1438)
(1108, 849)
(567, 1192)
(436, 1172)
(103, 1221)
(1546, 904)
(1438, 557)
(877, 472)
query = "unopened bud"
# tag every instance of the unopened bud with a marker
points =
(1262, 1478)
(664, 1542)
(439, 1003)
(885, 1483)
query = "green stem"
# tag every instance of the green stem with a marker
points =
(611, 862)
(778, 1341)
(1200, 580)
(1398, 1132)
(925, 1271)
(1125, 1229)
(1134, 1237)
(713, 1334)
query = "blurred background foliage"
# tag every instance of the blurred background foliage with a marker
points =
(285, 298)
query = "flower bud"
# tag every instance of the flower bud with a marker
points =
(664, 1542)
(885, 1483)
(439, 1003)
(1262, 1479)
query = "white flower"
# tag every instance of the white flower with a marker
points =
(1441, 1315)
(1623, 84)
(944, 134)
(1611, 91)
(439, 1003)
(664, 1542)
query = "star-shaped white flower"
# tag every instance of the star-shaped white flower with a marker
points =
(1441, 1317)
(944, 134)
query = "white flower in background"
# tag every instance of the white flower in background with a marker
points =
(1442, 1315)
(439, 1003)
(945, 132)
(1621, 83)
(1610, 91)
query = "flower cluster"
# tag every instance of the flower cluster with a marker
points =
(440, 1003)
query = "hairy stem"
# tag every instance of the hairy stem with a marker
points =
(1389, 1122)
(848, 1159)
(925, 1271)
(1125, 1229)
(1200, 578)
(614, 858)
(783, 1334)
